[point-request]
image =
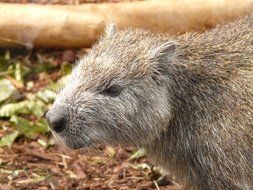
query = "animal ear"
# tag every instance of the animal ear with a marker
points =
(165, 51)
(163, 55)
(110, 29)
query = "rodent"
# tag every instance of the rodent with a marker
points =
(188, 100)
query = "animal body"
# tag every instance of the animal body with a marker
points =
(188, 100)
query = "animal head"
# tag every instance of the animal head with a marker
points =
(116, 93)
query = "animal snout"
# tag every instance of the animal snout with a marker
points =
(56, 118)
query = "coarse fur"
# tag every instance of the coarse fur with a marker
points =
(188, 100)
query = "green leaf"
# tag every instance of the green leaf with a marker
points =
(11, 172)
(18, 72)
(42, 126)
(35, 179)
(7, 55)
(6, 89)
(59, 84)
(138, 154)
(4, 171)
(44, 64)
(38, 178)
(42, 143)
(32, 106)
(66, 68)
(36, 107)
(27, 128)
(47, 95)
(110, 151)
(9, 139)
(47, 143)
(23, 126)
(8, 110)
(142, 166)
(3, 63)
(29, 85)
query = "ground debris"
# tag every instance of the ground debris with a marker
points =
(29, 163)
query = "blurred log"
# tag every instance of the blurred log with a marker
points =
(75, 26)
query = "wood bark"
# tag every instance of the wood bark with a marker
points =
(77, 26)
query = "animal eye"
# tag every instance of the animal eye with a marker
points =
(112, 91)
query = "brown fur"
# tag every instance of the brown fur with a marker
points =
(191, 108)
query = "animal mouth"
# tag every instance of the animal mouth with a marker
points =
(72, 143)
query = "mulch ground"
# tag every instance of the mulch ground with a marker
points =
(36, 167)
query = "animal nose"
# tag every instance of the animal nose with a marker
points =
(56, 118)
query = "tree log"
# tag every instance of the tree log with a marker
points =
(77, 26)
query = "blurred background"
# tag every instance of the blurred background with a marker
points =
(40, 41)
